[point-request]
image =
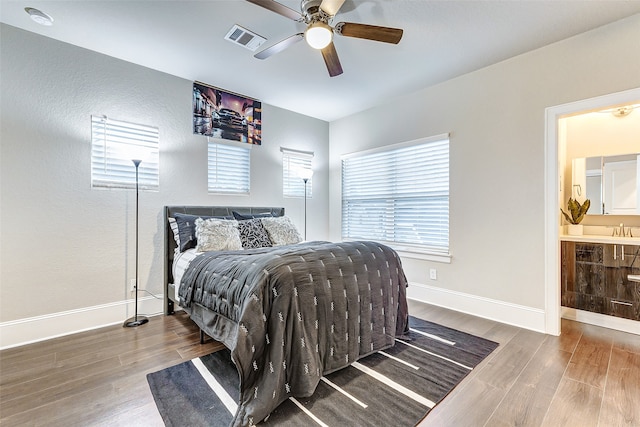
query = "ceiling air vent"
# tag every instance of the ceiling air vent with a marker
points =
(244, 38)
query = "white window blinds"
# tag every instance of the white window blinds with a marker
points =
(114, 143)
(293, 161)
(399, 194)
(228, 168)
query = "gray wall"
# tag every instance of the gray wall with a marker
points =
(496, 117)
(68, 247)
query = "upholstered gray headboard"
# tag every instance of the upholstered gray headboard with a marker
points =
(170, 244)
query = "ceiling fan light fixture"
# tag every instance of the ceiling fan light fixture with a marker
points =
(318, 35)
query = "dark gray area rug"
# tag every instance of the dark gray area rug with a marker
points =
(397, 386)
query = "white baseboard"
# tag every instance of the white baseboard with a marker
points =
(39, 328)
(500, 311)
(610, 322)
(29, 330)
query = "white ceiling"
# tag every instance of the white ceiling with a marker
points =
(442, 39)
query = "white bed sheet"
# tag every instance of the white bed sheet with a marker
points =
(180, 263)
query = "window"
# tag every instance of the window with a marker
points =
(228, 168)
(292, 162)
(399, 195)
(114, 144)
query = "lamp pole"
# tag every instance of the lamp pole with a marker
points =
(305, 174)
(136, 320)
(305, 207)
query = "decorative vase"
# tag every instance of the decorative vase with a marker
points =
(574, 229)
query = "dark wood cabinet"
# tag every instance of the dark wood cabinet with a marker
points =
(594, 277)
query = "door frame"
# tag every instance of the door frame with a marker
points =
(552, 193)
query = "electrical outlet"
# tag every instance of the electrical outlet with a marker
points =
(433, 274)
(132, 285)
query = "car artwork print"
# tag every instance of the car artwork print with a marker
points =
(225, 115)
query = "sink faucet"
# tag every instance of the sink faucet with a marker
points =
(622, 232)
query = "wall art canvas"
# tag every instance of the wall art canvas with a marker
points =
(226, 115)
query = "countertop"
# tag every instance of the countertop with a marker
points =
(595, 238)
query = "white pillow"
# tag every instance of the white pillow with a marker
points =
(281, 230)
(217, 235)
(176, 233)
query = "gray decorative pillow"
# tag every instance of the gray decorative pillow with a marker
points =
(253, 234)
(217, 235)
(187, 229)
(281, 230)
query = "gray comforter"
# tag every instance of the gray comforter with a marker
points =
(294, 313)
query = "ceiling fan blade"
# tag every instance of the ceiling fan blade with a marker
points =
(369, 32)
(331, 7)
(331, 60)
(278, 8)
(279, 47)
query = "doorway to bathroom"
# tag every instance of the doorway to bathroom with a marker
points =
(556, 195)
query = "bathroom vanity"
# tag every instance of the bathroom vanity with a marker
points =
(601, 274)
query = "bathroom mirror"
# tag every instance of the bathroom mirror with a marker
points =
(612, 183)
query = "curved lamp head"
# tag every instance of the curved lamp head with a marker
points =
(318, 35)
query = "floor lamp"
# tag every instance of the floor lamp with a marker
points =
(136, 320)
(306, 175)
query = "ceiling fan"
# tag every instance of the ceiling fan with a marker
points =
(318, 14)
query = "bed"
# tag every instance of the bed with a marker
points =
(289, 314)
(170, 245)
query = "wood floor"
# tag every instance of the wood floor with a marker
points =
(589, 376)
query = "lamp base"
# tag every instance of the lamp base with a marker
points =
(135, 321)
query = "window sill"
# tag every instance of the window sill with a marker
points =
(414, 253)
